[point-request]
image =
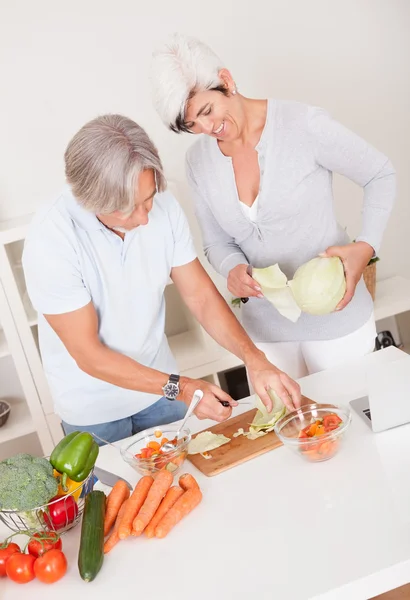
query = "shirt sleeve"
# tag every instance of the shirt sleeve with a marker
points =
(220, 248)
(52, 273)
(340, 150)
(184, 249)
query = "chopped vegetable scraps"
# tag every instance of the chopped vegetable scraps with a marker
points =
(238, 433)
(206, 441)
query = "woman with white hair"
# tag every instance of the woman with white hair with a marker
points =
(261, 178)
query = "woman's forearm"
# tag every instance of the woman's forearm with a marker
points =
(378, 201)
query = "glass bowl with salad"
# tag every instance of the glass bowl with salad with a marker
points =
(314, 431)
(144, 451)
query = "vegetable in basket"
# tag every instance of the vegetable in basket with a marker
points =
(75, 456)
(67, 486)
(26, 482)
(62, 511)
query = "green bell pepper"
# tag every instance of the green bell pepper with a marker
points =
(75, 455)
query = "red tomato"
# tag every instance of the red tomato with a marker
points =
(303, 435)
(43, 542)
(331, 422)
(50, 567)
(61, 513)
(5, 554)
(20, 567)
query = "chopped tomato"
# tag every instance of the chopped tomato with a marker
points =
(303, 434)
(331, 422)
(149, 452)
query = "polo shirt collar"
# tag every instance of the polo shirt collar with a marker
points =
(83, 218)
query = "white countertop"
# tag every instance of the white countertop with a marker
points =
(276, 527)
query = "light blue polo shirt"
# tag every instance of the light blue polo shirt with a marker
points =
(70, 259)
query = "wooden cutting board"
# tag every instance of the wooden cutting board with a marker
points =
(239, 449)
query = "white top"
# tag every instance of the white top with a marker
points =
(263, 514)
(299, 149)
(251, 211)
(70, 258)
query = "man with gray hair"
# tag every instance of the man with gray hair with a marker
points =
(96, 263)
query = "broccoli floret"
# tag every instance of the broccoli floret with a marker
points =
(26, 482)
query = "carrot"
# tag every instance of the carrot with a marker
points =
(188, 482)
(115, 500)
(134, 503)
(168, 501)
(183, 506)
(161, 485)
(114, 539)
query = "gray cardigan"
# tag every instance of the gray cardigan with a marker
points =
(299, 149)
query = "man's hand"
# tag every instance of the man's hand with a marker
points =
(265, 376)
(241, 285)
(209, 407)
(355, 258)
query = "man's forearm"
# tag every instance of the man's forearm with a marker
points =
(218, 320)
(106, 364)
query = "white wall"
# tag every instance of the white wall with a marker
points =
(61, 64)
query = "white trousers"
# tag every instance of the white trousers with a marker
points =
(298, 359)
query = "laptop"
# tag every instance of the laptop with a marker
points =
(381, 409)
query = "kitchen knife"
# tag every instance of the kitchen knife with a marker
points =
(249, 272)
(108, 478)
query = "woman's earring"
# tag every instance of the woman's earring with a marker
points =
(234, 92)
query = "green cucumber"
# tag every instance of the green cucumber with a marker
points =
(91, 553)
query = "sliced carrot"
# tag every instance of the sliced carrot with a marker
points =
(115, 500)
(188, 482)
(134, 503)
(312, 430)
(168, 501)
(161, 485)
(182, 507)
(114, 538)
(154, 445)
(320, 430)
(164, 441)
(158, 433)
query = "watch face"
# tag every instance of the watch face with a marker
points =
(171, 390)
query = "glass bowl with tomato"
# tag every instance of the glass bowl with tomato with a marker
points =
(314, 431)
(144, 451)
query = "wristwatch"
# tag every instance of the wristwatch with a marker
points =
(171, 388)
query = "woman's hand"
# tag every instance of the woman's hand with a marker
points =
(241, 285)
(265, 376)
(355, 258)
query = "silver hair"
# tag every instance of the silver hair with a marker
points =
(180, 68)
(103, 162)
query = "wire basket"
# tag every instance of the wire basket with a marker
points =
(70, 510)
